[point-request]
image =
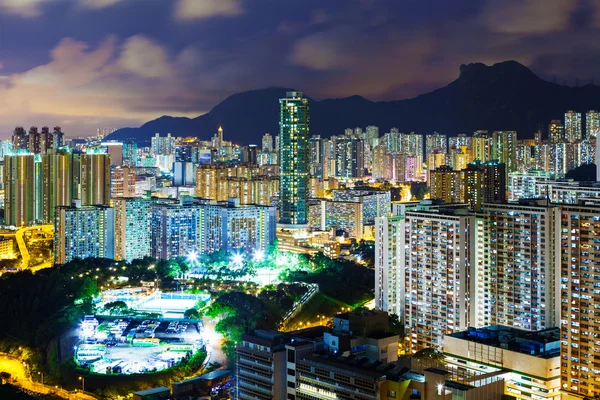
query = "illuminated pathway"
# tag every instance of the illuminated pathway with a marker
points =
(20, 378)
(19, 234)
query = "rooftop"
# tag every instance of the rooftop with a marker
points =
(544, 343)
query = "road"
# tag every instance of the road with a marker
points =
(19, 237)
(20, 377)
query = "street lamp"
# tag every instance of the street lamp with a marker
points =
(82, 379)
(238, 259)
(42, 374)
(259, 255)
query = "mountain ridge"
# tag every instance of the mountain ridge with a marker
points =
(504, 96)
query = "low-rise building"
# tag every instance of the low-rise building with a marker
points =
(529, 361)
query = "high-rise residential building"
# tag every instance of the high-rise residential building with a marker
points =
(232, 226)
(482, 146)
(130, 154)
(504, 149)
(525, 155)
(248, 183)
(184, 173)
(592, 124)
(23, 189)
(556, 131)
(573, 126)
(524, 185)
(57, 183)
(176, 230)
(436, 143)
(435, 160)
(115, 150)
(46, 140)
(267, 142)
(6, 148)
(567, 192)
(579, 325)
(438, 284)
(162, 145)
(316, 156)
(346, 216)
(83, 232)
(389, 252)
(382, 163)
(95, 179)
(459, 158)
(376, 203)
(293, 159)
(58, 138)
(122, 182)
(250, 154)
(20, 139)
(519, 262)
(34, 140)
(133, 239)
(484, 183)
(459, 141)
(446, 184)
(206, 227)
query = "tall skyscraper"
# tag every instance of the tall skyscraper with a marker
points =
(573, 126)
(592, 123)
(579, 324)
(522, 289)
(83, 232)
(95, 179)
(294, 159)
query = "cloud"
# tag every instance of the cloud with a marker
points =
(95, 4)
(145, 58)
(186, 10)
(528, 16)
(33, 8)
(325, 51)
(90, 87)
(23, 8)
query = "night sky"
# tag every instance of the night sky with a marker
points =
(85, 64)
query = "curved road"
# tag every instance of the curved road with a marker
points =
(19, 237)
(21, 378)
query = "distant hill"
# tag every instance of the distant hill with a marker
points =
(505, 96)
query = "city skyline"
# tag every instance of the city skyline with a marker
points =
(293, 243)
